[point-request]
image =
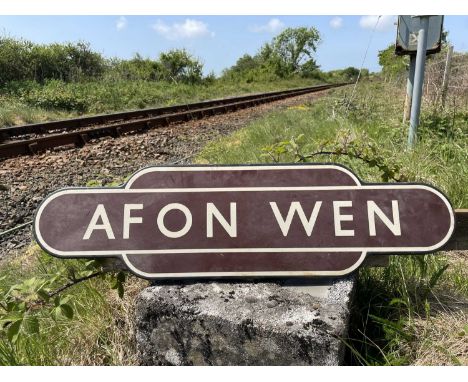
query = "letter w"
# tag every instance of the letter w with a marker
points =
(285, 224)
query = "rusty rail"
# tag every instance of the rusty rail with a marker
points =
(56, 133)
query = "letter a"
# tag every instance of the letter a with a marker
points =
(99, 213)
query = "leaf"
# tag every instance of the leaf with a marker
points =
(11, 317)
(67, 311)
(56, 313)
(115, 284)
(11, 306)
(86, 273)
(392, 325)
(31, 325)
(43, 294)
(121, 277)
(120, 290)
(398, 301)
(14, 330)
(65, 300)
(435, 277)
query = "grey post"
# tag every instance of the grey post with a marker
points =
(409, 88)
(448, 64)
(418, 80)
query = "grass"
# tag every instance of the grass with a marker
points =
(415, 310)
(100, 333)
(412, 312)
(30, 102)
(14, 112)
(372, 117)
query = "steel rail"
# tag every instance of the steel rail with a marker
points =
(100, 119)
(117, 124)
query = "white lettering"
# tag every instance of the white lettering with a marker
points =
(293, 208)
(181, 232)
(373, 209)
(128, 219)
(338, 218)
(99, 213)
(212, 211)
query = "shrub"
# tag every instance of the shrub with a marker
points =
(22, 60)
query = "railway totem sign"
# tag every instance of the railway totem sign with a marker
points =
(243, 221)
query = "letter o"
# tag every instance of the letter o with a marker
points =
(181, 232)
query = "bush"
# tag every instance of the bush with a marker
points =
(21, 60)
(57, 95)
(178, 65)
(138, 68)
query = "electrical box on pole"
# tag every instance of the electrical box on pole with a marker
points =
(407, 34)
(417, 36)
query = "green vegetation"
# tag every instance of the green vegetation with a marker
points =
(392, 65)
(64, 312)
(23, 60)
(410, 312)
(372, 121)
(290, 54)
(77, 312)
(401, 312)
(47, 82)
(56, 99)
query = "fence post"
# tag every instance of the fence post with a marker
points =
(448, 65)
(409, 88)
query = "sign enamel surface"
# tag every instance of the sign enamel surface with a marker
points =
(284, 220)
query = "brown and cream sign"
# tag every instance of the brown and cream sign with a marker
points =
(283, 220)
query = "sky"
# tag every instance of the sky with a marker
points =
(220, 40)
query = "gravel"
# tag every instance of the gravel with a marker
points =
(30, 178)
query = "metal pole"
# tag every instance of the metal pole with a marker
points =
(409, 88)
(418, 81)
(445, 83)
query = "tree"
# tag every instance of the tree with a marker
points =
(15, 60)
(351, 73)
(310, 69)
(138, 68)
(287, 54)
(179, 66)
(294, 47)
(245, 63)
(23, 60)
(392, 65)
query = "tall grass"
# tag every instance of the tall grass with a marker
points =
(31, 101)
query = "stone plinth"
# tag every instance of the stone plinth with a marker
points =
(226, 323)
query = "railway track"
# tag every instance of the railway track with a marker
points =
(35, 138)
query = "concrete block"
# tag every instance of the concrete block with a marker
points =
(243, 323)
